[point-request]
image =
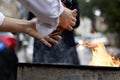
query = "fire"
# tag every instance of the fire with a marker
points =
(102, 58)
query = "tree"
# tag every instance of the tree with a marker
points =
(110, 11)
(87, 9)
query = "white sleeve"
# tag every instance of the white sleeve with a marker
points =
(2, 17)
(47, 11)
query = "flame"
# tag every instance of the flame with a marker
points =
(102, 58)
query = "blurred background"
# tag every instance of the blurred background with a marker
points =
(99, 22)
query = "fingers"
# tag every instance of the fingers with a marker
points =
(45, 42)
(32, 32)
(68, 18)
(73, 22)
(70, 28)
(57, 37)
(73, 19)
(74, 12)
(51, 40)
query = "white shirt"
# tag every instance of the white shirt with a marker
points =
(47, 11)
(2, 17)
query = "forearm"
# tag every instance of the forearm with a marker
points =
(48, 8)
(13, 25)
(47, 12)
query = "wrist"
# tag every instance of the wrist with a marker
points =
(26, 25)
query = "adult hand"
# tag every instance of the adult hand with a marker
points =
(63, 25)
(68, 19)
(47, 40)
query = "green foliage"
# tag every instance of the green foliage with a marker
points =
(86, 9)
(110, 10)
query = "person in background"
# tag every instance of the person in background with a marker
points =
(64, 52)
(8, 61)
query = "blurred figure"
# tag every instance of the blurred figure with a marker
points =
(8, 59)
(64, 52)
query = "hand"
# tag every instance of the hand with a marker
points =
(47, 40)
(68, 19)
(61, 28)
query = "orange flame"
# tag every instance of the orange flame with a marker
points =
(102, 58)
